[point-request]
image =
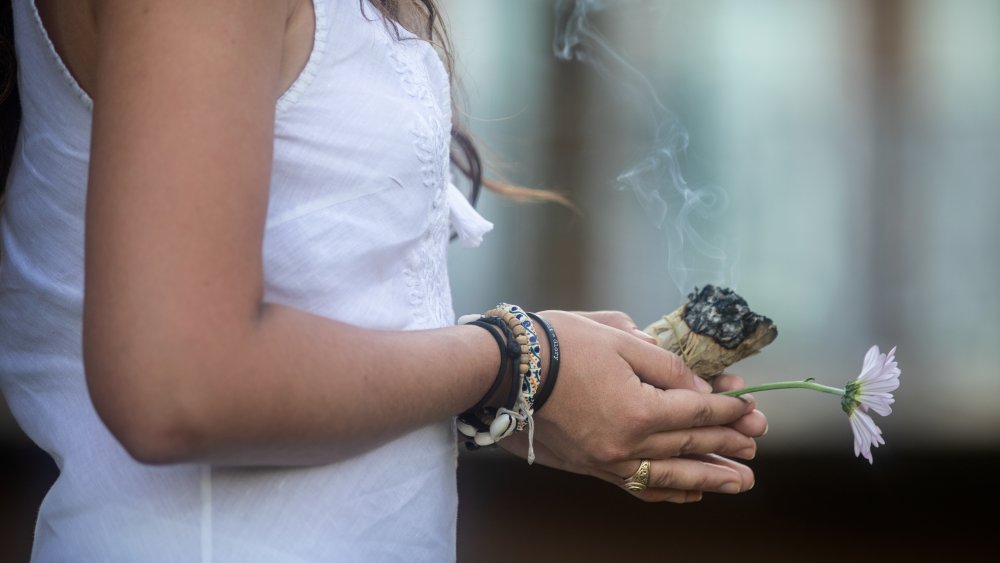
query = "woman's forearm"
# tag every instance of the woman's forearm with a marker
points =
(294, 388)
(182, 360)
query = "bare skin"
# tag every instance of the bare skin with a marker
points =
(683, 431)
(186, 362)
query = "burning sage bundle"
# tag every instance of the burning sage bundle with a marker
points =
(714, 329)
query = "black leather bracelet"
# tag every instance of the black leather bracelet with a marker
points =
(550, 379)
(479, 415)
(514, 353)
(503, 364)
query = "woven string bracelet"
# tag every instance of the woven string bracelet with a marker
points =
(531, 363)
(530, 369)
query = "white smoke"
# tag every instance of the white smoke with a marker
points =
(656, 180)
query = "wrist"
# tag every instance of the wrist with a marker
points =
(512, 379)
(487, 365)
(521, 351)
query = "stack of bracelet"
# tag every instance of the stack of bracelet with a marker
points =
(483, 425)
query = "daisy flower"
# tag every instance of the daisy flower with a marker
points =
(870, 391)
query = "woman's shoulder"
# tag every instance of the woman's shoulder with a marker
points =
(72, 28)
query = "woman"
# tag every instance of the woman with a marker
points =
(255, 196)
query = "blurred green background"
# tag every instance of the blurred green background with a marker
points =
(857, 143)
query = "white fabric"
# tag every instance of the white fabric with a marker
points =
(357, 230)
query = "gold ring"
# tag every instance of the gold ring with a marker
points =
(639, 480)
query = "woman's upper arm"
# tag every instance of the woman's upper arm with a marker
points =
(180, 167)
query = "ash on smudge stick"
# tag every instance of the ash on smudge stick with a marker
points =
(713, 330)
(722, 315)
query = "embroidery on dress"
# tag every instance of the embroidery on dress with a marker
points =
(426, 270)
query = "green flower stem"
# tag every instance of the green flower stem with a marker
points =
(807, 384)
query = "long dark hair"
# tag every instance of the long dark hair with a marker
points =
(421, 18)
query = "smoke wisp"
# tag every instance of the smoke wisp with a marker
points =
(656, 180)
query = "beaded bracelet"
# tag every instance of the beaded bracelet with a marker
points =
(519, 416)
(531, 361)
(553, 374)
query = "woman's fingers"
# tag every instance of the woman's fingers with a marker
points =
(754, 424)
(681, 408)
(705, 440)
(697, 473)
(747, 479)
(727, 382)
(622, 400)
(652, 364)
(619, 320)
(669, 495)
(660, 368)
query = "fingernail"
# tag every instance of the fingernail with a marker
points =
(702, 385)
(764, 433)
(731, 488)
(643, 336)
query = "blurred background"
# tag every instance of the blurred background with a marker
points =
(841, 173)
(847, 156)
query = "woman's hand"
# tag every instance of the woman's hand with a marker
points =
(620, 400)
(619, 320)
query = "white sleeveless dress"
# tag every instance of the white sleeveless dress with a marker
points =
(357, 230)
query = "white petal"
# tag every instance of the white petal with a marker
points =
(866, 434)
(858, 436)
(875, 396)
(882, 409)
(875, 403)
(880, 386)
(861, 441)
(890, 369)
(870, 358)
(871, 365)
(885, 374)
(874, 432)
(879, 440)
